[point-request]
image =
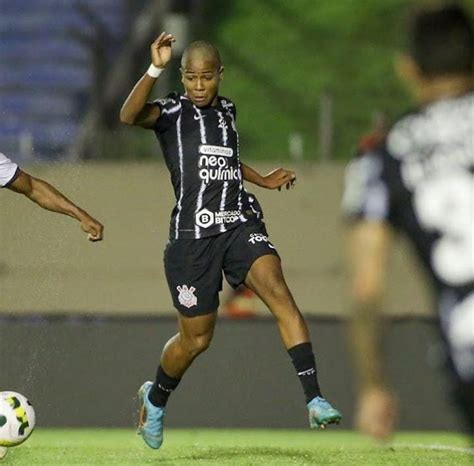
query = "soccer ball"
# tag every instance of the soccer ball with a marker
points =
(17, 419)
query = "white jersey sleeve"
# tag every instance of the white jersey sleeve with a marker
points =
(366, 194)
(8, 170)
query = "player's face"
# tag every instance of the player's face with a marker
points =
(201, 79)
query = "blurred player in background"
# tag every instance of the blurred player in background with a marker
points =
(419, 180)
(216, 227)
(46, 196)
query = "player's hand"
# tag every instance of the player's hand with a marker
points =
(377, 413)
(161, 50)
(93, 228)
(279, 178)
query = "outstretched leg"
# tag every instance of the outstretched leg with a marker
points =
(266, 279)
(194, 336)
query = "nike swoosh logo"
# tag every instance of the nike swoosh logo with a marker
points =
(199, 117)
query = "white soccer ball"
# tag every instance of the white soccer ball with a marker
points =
(17, 419)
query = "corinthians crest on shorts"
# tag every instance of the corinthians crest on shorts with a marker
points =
(186, 296)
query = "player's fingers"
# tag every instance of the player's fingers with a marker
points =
(166, 40)
(94, 237)
(167, 43)
(287, 180)
(158, 39)
(95, 232)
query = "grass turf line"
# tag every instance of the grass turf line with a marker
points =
(237, 447)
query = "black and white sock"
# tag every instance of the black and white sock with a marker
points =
(302, 357)
(162, 388)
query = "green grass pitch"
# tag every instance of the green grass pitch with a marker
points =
(238, 447)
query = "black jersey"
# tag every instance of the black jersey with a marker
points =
(201, 150)
(421, 180)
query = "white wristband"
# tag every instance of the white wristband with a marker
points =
(154, 71)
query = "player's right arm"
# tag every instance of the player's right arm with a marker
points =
(136, 109)
(49, 198)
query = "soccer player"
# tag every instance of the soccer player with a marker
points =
(46, 196)
(216, 226)
(420, 181)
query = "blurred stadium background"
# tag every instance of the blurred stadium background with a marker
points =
(78, 321)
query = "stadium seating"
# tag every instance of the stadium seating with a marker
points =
(46, 70)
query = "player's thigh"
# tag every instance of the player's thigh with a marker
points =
(266, 279)
(194, 274)
(248, 250)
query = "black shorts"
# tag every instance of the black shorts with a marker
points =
(194, 266)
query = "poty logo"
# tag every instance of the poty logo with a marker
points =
(259, 238)
(186, 296)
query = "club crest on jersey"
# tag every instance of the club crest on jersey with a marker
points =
(186, 296)
(222, 123)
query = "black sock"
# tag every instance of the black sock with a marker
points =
(162, 388)
(302, 358)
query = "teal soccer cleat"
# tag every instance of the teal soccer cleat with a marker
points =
(321, 413)
(150, 424)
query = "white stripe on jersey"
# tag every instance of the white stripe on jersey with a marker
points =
(167, 111)
(223, 126)
(241, 184)
(202, 130)
(181, 187)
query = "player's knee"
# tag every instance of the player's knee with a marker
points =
(198, 343)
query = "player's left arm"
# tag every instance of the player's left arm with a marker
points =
(49, 198)
(276, 179)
